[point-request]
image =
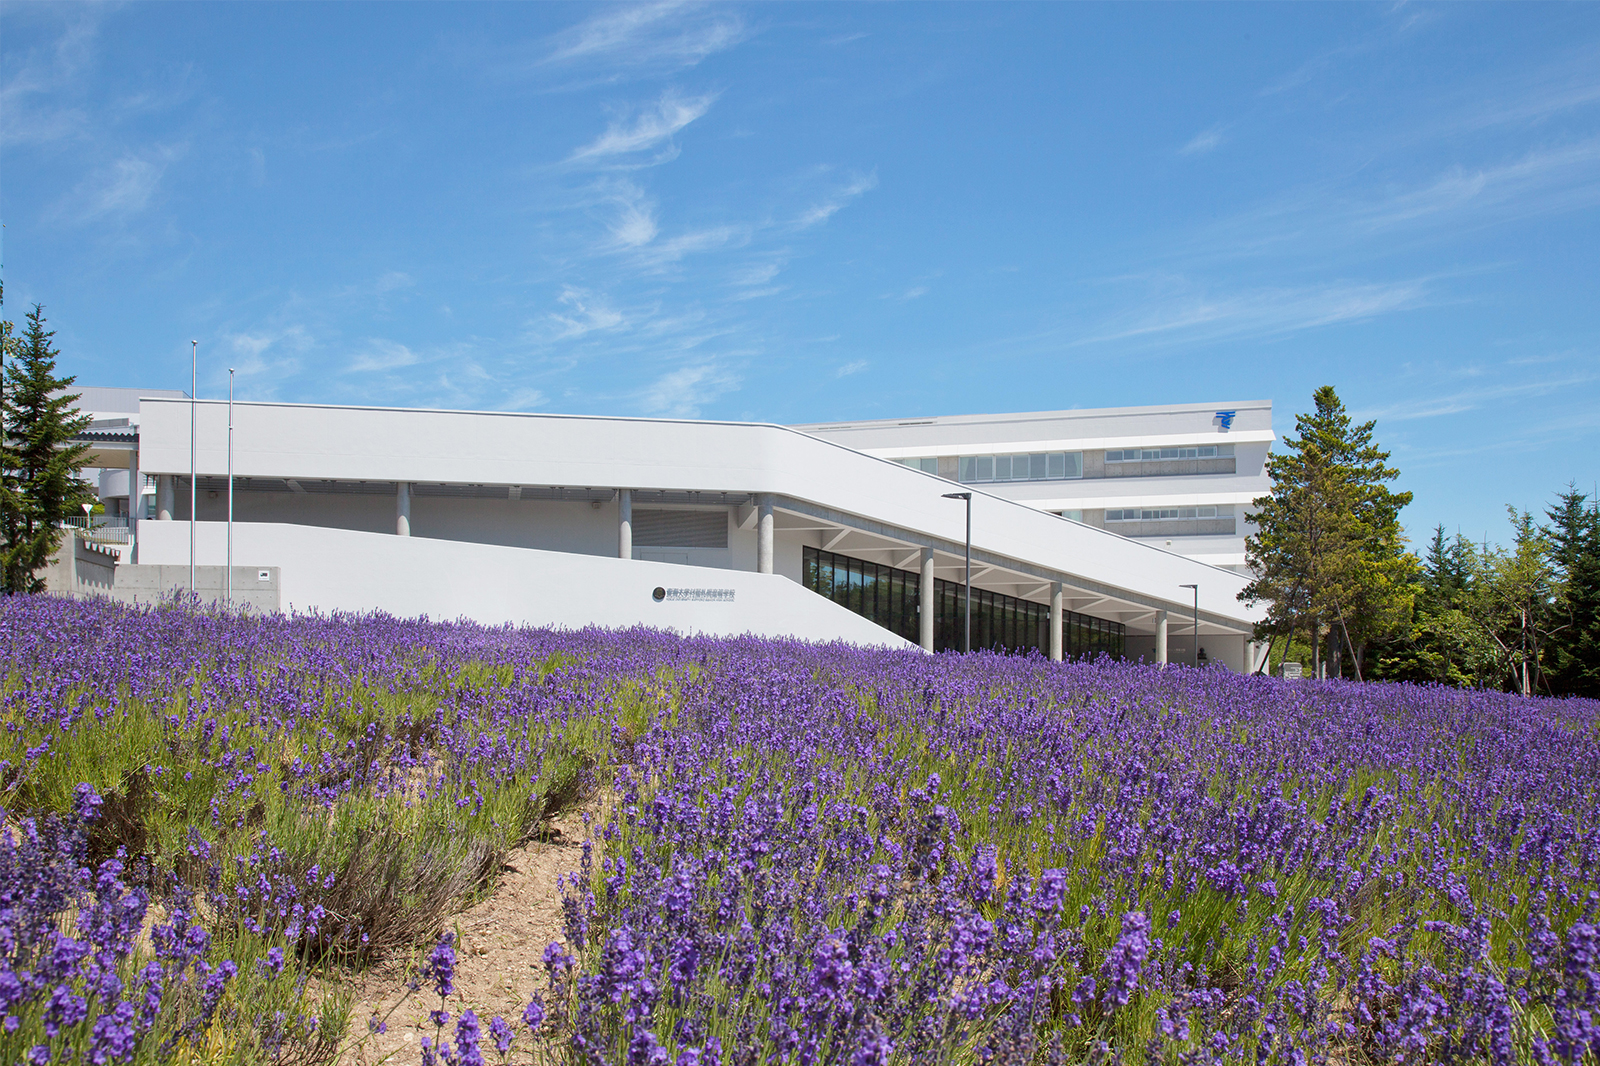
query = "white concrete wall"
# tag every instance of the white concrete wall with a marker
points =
(349, 570)
(381, 444)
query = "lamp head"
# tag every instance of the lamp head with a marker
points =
(958, 495)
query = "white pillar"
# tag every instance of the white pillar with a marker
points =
(764, 534)
(1055, 621)
(927, 609)
(624, 523)
(135, 502)
(165, 497)
(1161, 636)
(402, 509)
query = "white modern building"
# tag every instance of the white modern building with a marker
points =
(822, 532)
(1180, 477)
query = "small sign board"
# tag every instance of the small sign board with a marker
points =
(692, 595)
(1292, 670)
(263, 575)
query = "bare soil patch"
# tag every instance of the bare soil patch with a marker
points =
(499, 954)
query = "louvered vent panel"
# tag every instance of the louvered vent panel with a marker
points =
(680, 529)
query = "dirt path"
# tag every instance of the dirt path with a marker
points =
(499, 955)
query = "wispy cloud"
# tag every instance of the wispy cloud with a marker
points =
(827, 208)
(523, 400)
(1194, 318)
(712, 238)
(1203, 142)
(124, 187)
(663, 36)
(264, 360)
(634, 221)
(583, 314)
(1461, 401)
(647, 129)
(851, 368)
(682, 393)
(383, 355)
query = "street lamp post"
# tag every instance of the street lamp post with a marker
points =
(966, 640)
(1196, 621)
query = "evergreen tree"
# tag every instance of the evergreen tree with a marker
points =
(1574, 643)
(1329, 549)
(41, 464)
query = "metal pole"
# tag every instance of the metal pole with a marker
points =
(966, 641)
(228, 567)
(194, 378)
(1195, 653)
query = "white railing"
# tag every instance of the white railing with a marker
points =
(101, 529)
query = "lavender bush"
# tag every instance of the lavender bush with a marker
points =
(803, 854)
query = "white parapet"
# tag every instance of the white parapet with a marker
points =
(348, 570)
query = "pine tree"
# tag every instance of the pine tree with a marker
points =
(1329, 549)
(1573, 537)
(41, 464)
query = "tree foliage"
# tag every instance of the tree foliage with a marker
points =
(1526, 617)
(1328, 548)
(39, 463)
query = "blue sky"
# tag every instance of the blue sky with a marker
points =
(808, 213)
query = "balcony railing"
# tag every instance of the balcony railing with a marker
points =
(100, 529)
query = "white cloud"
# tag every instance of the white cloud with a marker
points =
(851, 368)
(523, 399)
(634, 223)
(827, 208)
(1261, 312)
(672, 36)
(1203, 142)
(125, 187)
(383, 355)
(681, 393)
(670, 114)
(583, 315)
(695, 241)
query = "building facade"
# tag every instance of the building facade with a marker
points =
(1180, 477)
(713, 526)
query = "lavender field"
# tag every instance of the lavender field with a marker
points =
(798, 854)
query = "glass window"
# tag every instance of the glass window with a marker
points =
(968, 468)
(1076, 516)
(1036, 467)
(1056, 465)
(1002, 468)
(985, 468)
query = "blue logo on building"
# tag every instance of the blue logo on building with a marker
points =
(1226, 419)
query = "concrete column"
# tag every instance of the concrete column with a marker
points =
(1055, 621)
(764, 534)
(624, 523)
(166, 491)
(135, 503)
(927, 608)
(402, 509)
(1161, 636)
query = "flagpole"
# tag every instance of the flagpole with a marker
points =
(194, 379)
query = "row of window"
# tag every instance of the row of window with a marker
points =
(1056, 466)
(1034, 466)
(892, 599)
(1144, 455)
(1151, 514)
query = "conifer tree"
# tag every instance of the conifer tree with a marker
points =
(1329, 549)
(1573, 537)
(40, 462)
